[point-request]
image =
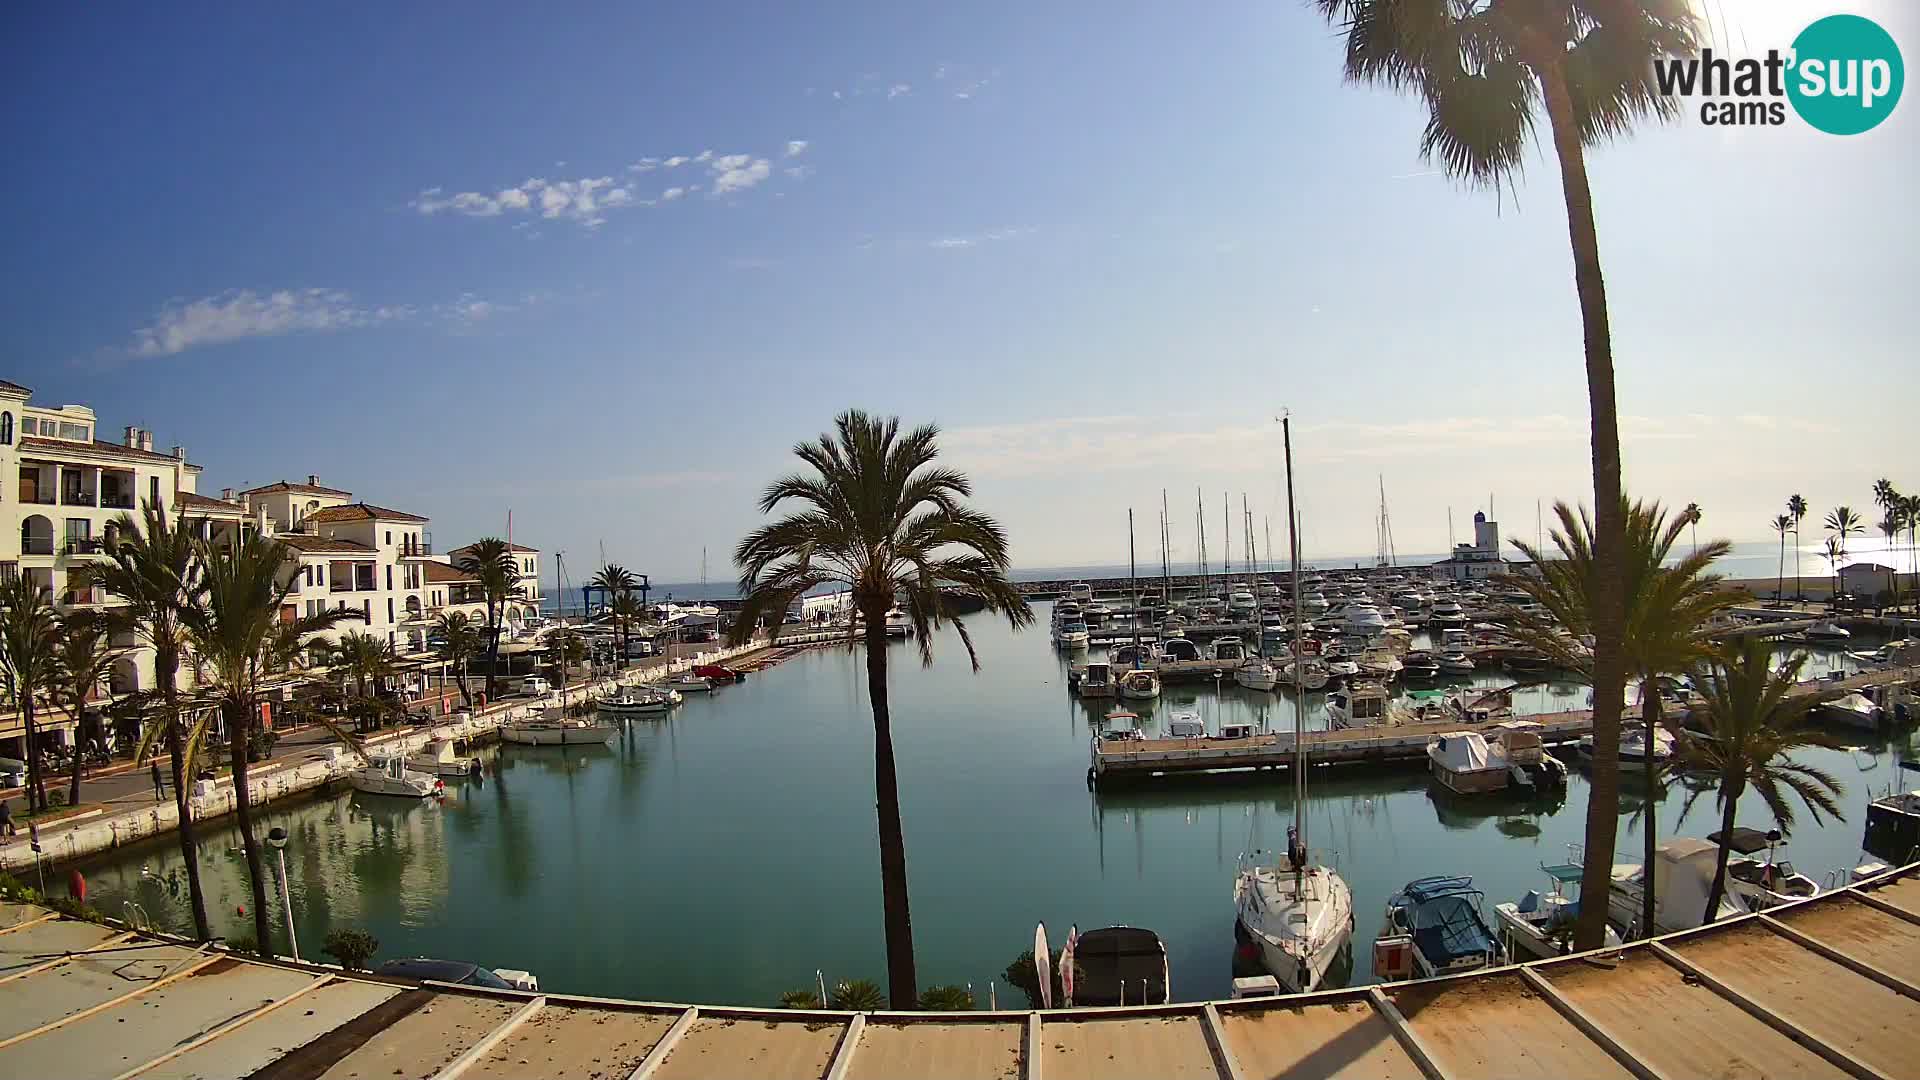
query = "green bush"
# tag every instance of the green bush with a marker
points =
(800, 999)
(946, 999)
(57, 797)
(243, 943)
(353, 948)
(857, 995)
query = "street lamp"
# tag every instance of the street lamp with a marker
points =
(278, 838)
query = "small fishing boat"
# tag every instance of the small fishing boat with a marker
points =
(1256, 674)
(1228, 648)
(1529, 764)
(719, 673)
(1828, 632)
(688, 683)
(1094, 681)
(1682, 880)
(1540, 925)
(437, 758)
(557, 730)
(1130, 657)
(1853, 709)
(1178, 651)
(639, 701)
(1633, 746)
(387, 774)
(1434, 927)
(1893, 825)
(1762, 885)
(1186, 724)
(1308, 673)
(1140, 684)
(1121, 725)
(1115, 965)
(1357, 704)
(1464, 763)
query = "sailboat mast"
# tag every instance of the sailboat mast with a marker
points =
(1200, 522)
(1299, 663)
(1132, 590)
(1226, 544)
(1166, 550)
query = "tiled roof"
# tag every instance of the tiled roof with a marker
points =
(307, 543)
(97, 446)
(202, 502)
(15, 387)
(361, 512)
(510, 547)
(443, 573)
(303, 489)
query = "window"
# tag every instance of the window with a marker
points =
(153, 492)
(389, 609)
(6, 429)
(306, 577)
(389, 536)
(79, 528)
(389, 578)
(76, 432)
(29, 426)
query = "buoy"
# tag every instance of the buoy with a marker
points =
(77, 885)
(240, 910)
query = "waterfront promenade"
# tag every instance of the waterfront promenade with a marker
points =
(305, 761)
(1828, 987)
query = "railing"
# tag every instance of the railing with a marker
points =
(419, 547)
(38, 499)
(84, 545)
(117, 502)
(36, 545)
(339, 587)
(77, 497)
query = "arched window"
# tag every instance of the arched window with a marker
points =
(6, 429)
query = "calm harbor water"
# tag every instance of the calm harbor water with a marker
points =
(725, 854)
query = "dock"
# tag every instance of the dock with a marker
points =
(1823, 987)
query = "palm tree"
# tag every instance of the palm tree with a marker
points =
(1884, 495)
(617, 582)
(1890, 525)
(1781, 524)
(366, 659)
(1756, 723)
(1692, 517)
(1670, 610)
(243, 629)
(1797, 506)
(153, 567)
(29, 664)
(1910, 512)
(883, 521)
(1842, 522)
(1484, 72)
(491, 562)
(83, 657)
(459, 641)
(628, 612)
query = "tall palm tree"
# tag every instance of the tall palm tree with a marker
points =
(1797, 506)
(243, 628)
(1781, 524)
(1910, 512)
(491, 562)
(879, 518)
(1885, 496)
(1756, 723)
(617, 582)
(29, 665)
(628, 612)
(153, 568)
(364, 658)
(459, 641)
(1842, 522)
(83, 657)
(1670, 610)
(1692, 516)
(1485, 71)
(1835, 552)
(1890, 525)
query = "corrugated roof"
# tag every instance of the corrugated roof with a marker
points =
(361, 511)
(303, 489)
(306, 542)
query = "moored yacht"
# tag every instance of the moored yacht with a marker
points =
(1762, 885)
(1357, 704)
(1362, 620)
(1227, 648)
(1434, 927)
(1540, 925)
(1140, 684)
(1256, 674)
(558, 730)
(387, 774)
(1095, 680)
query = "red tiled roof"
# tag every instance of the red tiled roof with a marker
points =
(307, 543)
(303, 489)
(201, 502)
(456, 552)
(442, 573)
(361, 512)
(97, 446)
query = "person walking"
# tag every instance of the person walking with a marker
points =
(159, 782)
(7, 827)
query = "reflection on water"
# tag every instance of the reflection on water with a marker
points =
(724, 854)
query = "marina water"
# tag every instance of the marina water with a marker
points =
(725, 854)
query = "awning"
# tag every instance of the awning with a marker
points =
(1745, 841)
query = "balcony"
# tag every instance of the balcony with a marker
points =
(83, 597)
(84, 545)
(36, 498)
(78, 497)
(116, 500)
(36, 545)
(340, 586)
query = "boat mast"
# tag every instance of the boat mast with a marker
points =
(1166, 551)
(1226, 544)
(1132, 589)
(1200, 520)
(1299, 675)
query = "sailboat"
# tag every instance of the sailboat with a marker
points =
(1298, 913)
(1140, 682)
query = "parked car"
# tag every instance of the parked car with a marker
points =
(536, 686)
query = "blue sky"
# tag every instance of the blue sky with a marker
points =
(1102, 246)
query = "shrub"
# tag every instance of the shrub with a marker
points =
(800, 999)
(57, 797)
(857, 995)
(243, 943)
(946, 999)
(353, 948)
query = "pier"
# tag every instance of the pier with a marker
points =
(1822, 987)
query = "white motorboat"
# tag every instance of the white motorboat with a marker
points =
(1434, 927)
(1095, 680)
(1828, 632)
(558, 731)
(1446, 615)
(688, 683)
(639, 701)
(1526, 755)
(1306, 673)
(1241, 603)
(1454, 662)
(1256, 674)
(1540, 925)
(437, 758)
(1379, 664)
(1682, 880)
(1095, 614)
(1072, 635)
(1080, 592)
(1178, 651)
(1357, 704)
(1853, 709)
(1633, 745)
(1227, 648)
(1314, 604)
(1362, 620)
(1131, 657)
(1466, 764)
(387, 774)
(1893, 825)
(1140, 684)
(1762, 885)
(1186, 724)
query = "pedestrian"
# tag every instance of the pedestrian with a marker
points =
(6, 818)
(159, 782)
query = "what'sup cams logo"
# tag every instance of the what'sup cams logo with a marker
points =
(1843, 75)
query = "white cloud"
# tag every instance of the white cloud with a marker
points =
(703, 157)
(738, 172)
(645, 164)
(675, 161)
(796, 147)
(672, 193)
(242, 313)
(976, 239)
(798, 172)
(953, 242)
(898, 89)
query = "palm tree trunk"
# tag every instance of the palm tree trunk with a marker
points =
(73, 793)
(1730, 788)
(1650, 709)
(493, 651)
(167, 668)
(36, 790)
(901, 991)
(1799, 591)
(1609, 588)
(239, 725)
(466, 695)
(1780, 582)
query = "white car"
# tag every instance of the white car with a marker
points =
(535, 686)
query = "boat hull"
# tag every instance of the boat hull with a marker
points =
(557, 734)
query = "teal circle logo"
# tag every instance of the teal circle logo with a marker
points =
(1846, 75)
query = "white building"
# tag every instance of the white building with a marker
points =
(520, 609)
(1479, 560)
(1869, 576)
(61, 487)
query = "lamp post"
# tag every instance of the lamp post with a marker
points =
(278, 838)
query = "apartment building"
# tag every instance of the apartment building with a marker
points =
(61, 488)
(522, 608)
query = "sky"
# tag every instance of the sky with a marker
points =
(604, 265)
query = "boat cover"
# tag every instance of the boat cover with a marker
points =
(1104, 958)
(1444, 914)
(1745, 841)
(1463, 751)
